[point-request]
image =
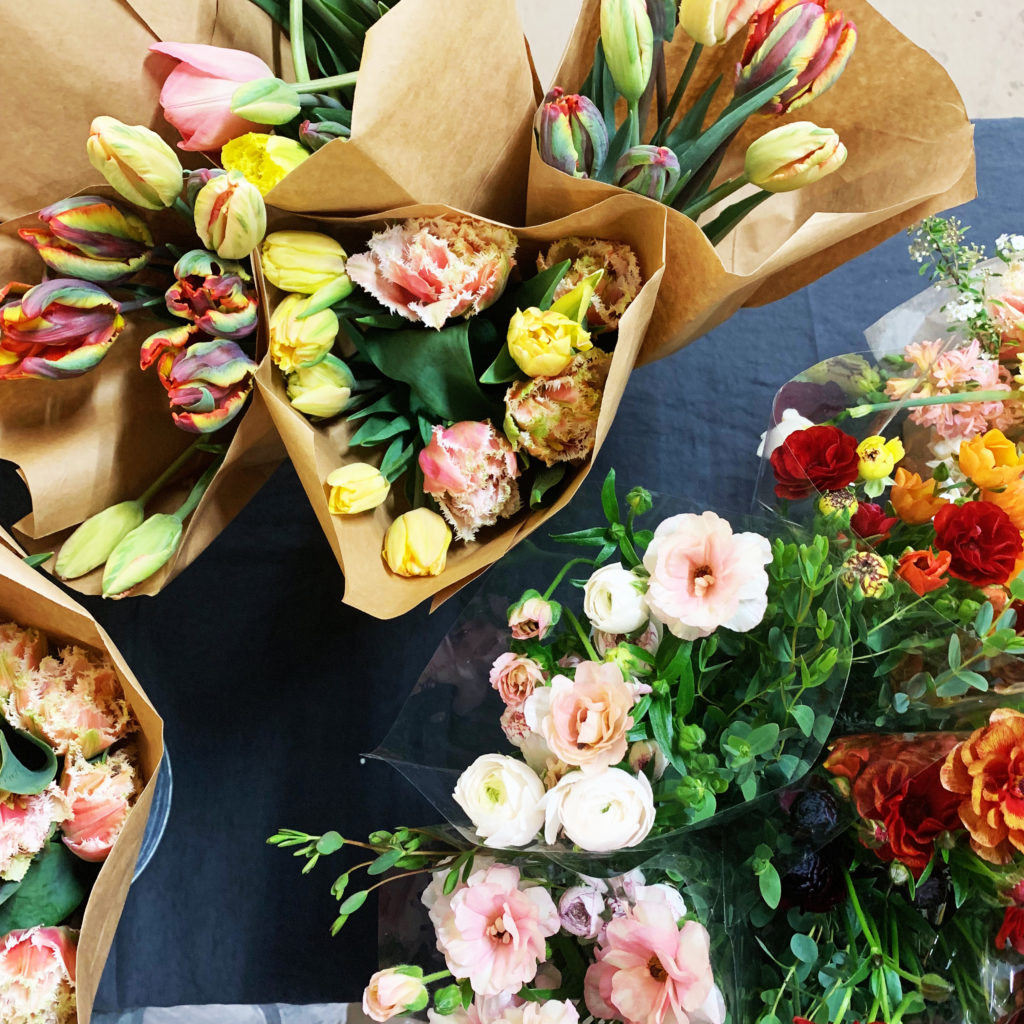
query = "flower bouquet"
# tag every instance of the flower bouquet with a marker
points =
(80, 747)
(674, 110)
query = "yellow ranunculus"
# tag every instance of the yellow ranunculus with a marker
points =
(416, 544)
(263, 159)
(542, 341)
(990, 460)
(878, 457)
(355, 488)
(296, 342)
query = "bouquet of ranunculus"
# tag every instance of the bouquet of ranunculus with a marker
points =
(79, 751)
(445, 386)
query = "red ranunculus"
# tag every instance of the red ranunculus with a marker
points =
(982, 542)
(925, 571)
(1012, 930)
(870, 521)
(814, 459)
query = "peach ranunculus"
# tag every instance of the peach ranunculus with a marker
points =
(1010, 499)
(393, 991)
(515, 677)
(551, 1011)
(37, 976)
(21, 650)
(990, 460)
(100, 796)
(429, 269)
(913, 499)
(704, 576)
(987, 770)
(532, 617)
(25, 824)
(491, 929)
(584, 720)
(650, 971)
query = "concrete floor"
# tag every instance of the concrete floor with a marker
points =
(979, 42)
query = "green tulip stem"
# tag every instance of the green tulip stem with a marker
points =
(716, 195)
(323, 84)
(197, 492)
(131, 307)
(957, 398)
(634, 125)
(147, 495)
(298, 40)
(673, 104)
(180, 206)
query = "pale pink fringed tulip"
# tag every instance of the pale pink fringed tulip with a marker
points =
(21, 650)
(25, 824)
(100, 796)
(37, 976)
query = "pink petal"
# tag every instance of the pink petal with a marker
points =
(221, 61)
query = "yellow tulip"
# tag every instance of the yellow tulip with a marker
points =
(356, 488)
(416, 544)
(135, 161)
(542, 343)
(793, 155)
(296, 341)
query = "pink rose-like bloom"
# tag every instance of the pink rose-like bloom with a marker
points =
(100, 796)
(196, 95)
(550, 1011)
(471, 470)
(490, 930)
(37, 976)
(514, 676)
(1006, 304)
(648, 640)
(429, 269)
(390, 992)
(25, 824)
(580, 909)
(21, 650)
(704, 576)
(531, 619)
(649, 971)
(555, 418)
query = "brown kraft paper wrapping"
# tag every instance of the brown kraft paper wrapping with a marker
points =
(910, 154)
(86, 443)
(317, 449)
(30, 599)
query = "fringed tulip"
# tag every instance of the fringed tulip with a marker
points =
(230, 216)
(99, 797)
(37, 976)
(264, 160)
(21, 650)
(136, 162)
(26, 822)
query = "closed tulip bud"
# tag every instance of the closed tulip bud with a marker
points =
(356, 488)
(321, 390)
(309, 263)
(144, 551)
(230, 216)
(135, 161)
(296, 340)
(711, 22)
(316, 134)
(792, 156)
(195, 180)
(571, 134)
(627, 37)
(650, 171)
(416, 544)
(264, 160)
(265, 101)
(91, 544)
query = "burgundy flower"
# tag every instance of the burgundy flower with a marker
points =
(982, 542)
(870, 521)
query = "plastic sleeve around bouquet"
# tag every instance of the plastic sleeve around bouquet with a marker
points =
(316, 450)
(30, 599)
(86, 443)
(910, 154)
(452, 715)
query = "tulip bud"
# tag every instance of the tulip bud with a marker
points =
(264, 160)
(356, 488)
(297, 341)
(627, 37)
(91, 544)
(230, 216)
(309, 263)
(135, 161)
(321, 390)
(265, 101)
(650, 171)
(141, 553)
(571, 134)
(416, 544)
(195, 180)
(793, 155)
(316, 134)
(712, 22)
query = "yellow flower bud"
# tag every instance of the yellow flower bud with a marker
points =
(296, 342)
(135, 161)
(866, 572)
(230, 216)
(141, 553)
(355, 488)
(542, 342)
(416, 544)
(878, 457)
(323, 389)
(91, 544)
(837, 503)
(302, 261)
(264, 159)
(793, 155)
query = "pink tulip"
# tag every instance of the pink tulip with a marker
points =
(100, 796)
(26, 822)
(196, 96)
(37, 975)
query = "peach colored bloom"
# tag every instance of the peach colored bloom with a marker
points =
(990, 460)
(25, 824)
(37, 976)
(515, 676)
(99, 795)
(531, 618)
(391, 992)
(649, 971)
(1010, 499)
(21, 650)
(551, 1011)
(914, 499)
(704, 576)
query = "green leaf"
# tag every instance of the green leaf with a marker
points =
(539, 290)
(389, 403)
(386, 861)
(618, 145)
(396, 459)
(717, 229)
(770, 884)
(953, 656)
(804, 948)
(354, 902)
(329, 842)
(34, 561)
(378, 429)
(502, 370)
(804, 717)
(546, 478)
(609, 502)
(690, 125)
(660, 717)
(49, 892)
(27, 764)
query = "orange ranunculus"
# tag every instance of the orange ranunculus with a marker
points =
(990, 460)
(987, 770)
(1010, 499)
(925, 571)
(914, 499)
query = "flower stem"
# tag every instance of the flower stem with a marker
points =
(876, 948)
(131, 307)
(677, 95)
(634, 125)
(166, 475)
(323, 84)
(180, 206)
(298, 41)
(579, 632)
(561, 575)
(197, 492)
(437, 976)
(957, 398)
(716, 195)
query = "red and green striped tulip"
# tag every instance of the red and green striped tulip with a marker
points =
(207, 384)
(58, 329)
(802, 36)
(571, 134)
(230, 215)
(91, 238)
(212, 293)
(650, 171)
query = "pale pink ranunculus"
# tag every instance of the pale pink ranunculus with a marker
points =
(551, 1011)
(37, 976)
(515, 677)
(1006, 303)
(704, 576)
(471, 471)
(584, 720)
(21, 650)
(196, 95)
(100, 795)
(531, 619)
(25, 824)
(430, 269)
(491, 930)
(391, 992)
(649, 971)
(580, 908)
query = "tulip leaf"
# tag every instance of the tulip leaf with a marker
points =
(396, 459)
(540, 290)
(618, 145)
(717, 229)
(34, 561)
(545, 479)
(503, 369)
(27, 764)
(385, 321)
(49, 892)
(389, 403)
(693, 120)
(377, 429)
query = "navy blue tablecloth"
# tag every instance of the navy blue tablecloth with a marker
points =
(271, 689)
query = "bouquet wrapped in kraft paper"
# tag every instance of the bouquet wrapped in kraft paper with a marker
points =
(53, 621)
(430, 438)
(895, 110)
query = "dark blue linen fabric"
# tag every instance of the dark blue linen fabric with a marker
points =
(271, 688)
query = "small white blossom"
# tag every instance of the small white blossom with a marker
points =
(1009, 244)
(963, 309)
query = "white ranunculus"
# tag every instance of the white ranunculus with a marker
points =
(663, 893)
(790, 423)
(599, 811)
(613, 600)
(501, 796)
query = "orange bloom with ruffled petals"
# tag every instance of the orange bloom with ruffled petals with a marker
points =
(924, 571)
(1010, 499)
(914, 499)
(990, 460)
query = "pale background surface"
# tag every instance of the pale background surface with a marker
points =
(979, 42)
